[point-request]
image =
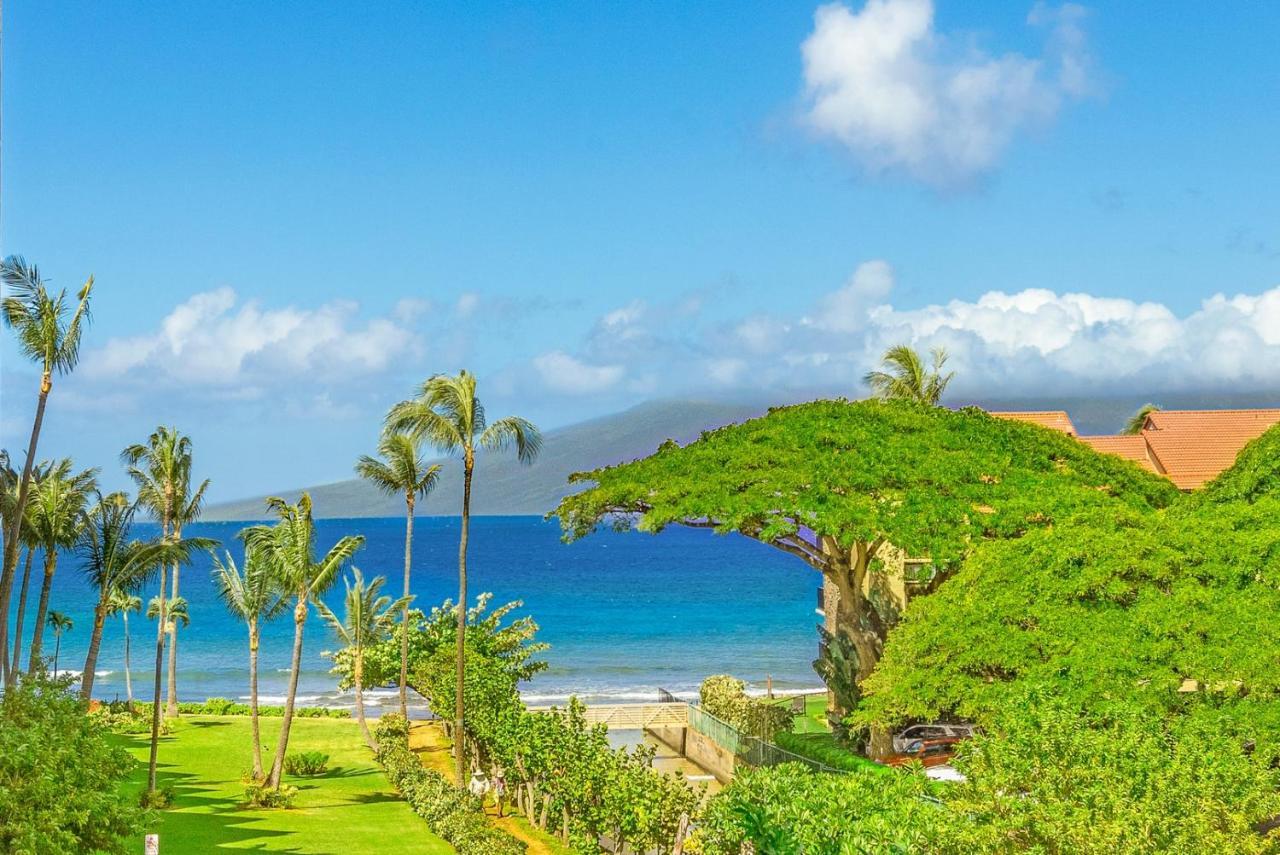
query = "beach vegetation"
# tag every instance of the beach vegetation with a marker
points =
(61, 624)
(306, 763)
(446, 414)
(402, 471)
(902, 376)
(726, 698)
(121, 602)
(48, 331)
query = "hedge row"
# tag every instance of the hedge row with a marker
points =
(450, 811)
(224, 706)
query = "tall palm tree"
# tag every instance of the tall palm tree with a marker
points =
(252, 596)
(368, 620)
(288, 547)
(401, 472)
(58, 516)
(121, 602)
(1134, 426)
(186, 510)
(48, 333)
(161, 468)
(903, 376)
(114, 561)
(175, 610)
(59, 623)
(447, 414)
(31, 543)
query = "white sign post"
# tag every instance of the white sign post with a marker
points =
(152, 845)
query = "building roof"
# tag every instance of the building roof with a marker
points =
(1054, 419)
(1133, 448)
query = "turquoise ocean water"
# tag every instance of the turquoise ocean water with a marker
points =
(625, 613)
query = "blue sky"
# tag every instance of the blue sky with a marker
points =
(294, 212)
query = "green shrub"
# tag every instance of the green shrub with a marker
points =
(160, 799)
(223, 706)
(306, 763)
(122, 717)
(725, 697)
(823, 748)
(450, 811)
(266, 796)
(60, 776)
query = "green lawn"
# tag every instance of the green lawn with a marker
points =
(351, 809)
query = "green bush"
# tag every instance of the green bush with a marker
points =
(60, 776)
(266, 796)
(223, 706)
(122, 717)
(725, 697)
(450, 811)
(160, 799)
(823, 748)
(306, 763)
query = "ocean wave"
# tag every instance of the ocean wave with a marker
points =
(68, 672)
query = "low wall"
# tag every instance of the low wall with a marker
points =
(706, 753)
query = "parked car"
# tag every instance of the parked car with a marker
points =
(931, 730)
(930, 752)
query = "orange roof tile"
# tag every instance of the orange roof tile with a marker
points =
(1053, 419)
(1133, 447)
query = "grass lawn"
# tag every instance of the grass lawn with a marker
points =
(351, 809)
(811, 737)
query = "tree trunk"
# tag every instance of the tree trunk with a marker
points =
(22, 610)
(128, 678)
(57, 645)
(155, 691)
(253, 699)
(171, 707)
(10, 563)
(95, 642)
(37, 632)
(460, 735)
(359, 687)
(299, 621)
(404, 620)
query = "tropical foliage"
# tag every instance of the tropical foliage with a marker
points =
(904, 377)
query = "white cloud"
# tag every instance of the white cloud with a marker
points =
(564, 373)
(213, 340)
(903, 97)
(846, 310)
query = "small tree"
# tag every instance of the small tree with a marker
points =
(121, 603)
(367, 620)
(1138, 420)
(905, 378)
(59, 623)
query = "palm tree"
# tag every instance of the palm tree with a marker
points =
(367, 621)
(289, 549)
(447, 414)
(187, 510)
(59, 623)
(30, 542)
(58, 516)
(401, 472)
(904, 377)
(47, 336)
(162, 470)
(252, 596)
(114, 561)
(121, 602)
(175, 611)
(1138, 420)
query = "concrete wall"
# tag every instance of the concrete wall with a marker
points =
(672, 737)
(710, 756)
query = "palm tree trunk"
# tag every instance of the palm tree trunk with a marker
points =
(57, 645)
(155, 690)
(459, 736)
(37, 637)
(253, 699)
(95, 642)
(22, 610)
(171, 708)
(299, 621)
(404, 620)
(359, 687)
(15, 531)
(128, 680)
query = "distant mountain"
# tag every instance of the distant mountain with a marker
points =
(504, 486)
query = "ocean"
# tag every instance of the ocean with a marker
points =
(625, 613)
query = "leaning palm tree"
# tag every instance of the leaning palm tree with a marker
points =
(288, 547)
(252, 596)
(58, 515)
(447, 415)
(31, 543)
(368, 620)
(401, 472)
(59, 623)
(903, 376)
(121, 602)
(112, 560)
(48, 333)
(1138, 420)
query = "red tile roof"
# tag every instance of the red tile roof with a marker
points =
(1130, 447)
(1054, 419)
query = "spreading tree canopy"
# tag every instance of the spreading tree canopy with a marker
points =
(832, 482)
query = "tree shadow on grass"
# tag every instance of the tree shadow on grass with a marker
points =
(208, 723)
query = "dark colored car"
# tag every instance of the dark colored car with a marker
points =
(930, 752)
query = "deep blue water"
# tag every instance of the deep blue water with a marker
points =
(625, 613)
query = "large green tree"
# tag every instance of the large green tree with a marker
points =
(447, 414)
(401, 472)
(48, 332)
(833, 483)
(289, 548)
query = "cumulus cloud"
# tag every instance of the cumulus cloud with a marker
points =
(903, 97)
(214, 340)
(569, 375)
